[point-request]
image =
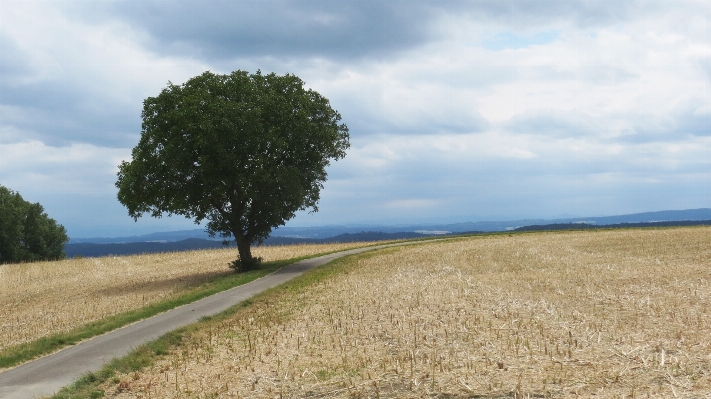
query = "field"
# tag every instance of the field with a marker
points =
(607, 314)
(39, 299)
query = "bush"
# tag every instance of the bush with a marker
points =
(27, 234)
(240, 265)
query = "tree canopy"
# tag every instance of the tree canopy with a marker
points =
(242, 151)
(27, 234)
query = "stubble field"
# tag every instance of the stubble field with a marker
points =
(44, 298)
(607, 314)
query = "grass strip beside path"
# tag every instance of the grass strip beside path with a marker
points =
(146, 355)
(18, 354)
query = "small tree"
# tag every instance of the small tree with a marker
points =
(27, 234)
(244, 151)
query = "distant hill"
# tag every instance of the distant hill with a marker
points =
(134, 248)
(167, 236)
(489, 226)
(199, 239)
(322, 232)
(646, 217)
(586, 226)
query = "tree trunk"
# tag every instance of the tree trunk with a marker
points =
(246, 261)
(245, 250)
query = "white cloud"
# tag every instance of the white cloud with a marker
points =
(411, 204)
(481, 108)
(81, 80)
(77, 168)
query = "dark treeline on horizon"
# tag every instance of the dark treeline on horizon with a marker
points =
(587, 226)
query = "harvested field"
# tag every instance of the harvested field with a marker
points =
(607, 314)
(39, 299)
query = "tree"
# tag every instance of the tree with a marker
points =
(27, 234)
(242, 151)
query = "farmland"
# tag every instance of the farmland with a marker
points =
(619, 313)
(44, 298)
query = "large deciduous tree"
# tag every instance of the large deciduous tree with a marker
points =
(27, 234)
(242, 151)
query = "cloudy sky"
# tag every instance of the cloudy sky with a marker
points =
(458, 110)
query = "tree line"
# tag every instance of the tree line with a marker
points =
(27, 234)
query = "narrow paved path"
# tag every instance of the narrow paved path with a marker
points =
(46, 375)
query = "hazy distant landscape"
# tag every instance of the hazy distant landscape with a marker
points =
(198, 239)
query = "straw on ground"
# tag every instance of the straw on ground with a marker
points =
(44, 298)
(614, 314)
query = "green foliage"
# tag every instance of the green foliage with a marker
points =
(243, 151)
(27, 234)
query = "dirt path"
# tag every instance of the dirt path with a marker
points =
(47, 375)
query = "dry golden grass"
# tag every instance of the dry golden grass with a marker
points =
(39, 299)
(606, 314)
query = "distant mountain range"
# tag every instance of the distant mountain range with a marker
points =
(490, 226)
(318, 232)
(199, 239)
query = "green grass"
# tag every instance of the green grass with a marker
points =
(143, 356)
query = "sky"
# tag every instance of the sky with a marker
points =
(458, 110)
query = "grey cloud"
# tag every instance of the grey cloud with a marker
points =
(101, 215)
(706, 67)
(555, 183)
(221, 29)
(365, 119)
(552, 124)
(583, 12)
(13, 62)
(58, 110)
(694, 124)
(279, 28)
(368, 125)
(606, 75)
(58, 113)
(70, 108)
(600, 75)
(522, 16)
(675, 127)
(644, 128)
